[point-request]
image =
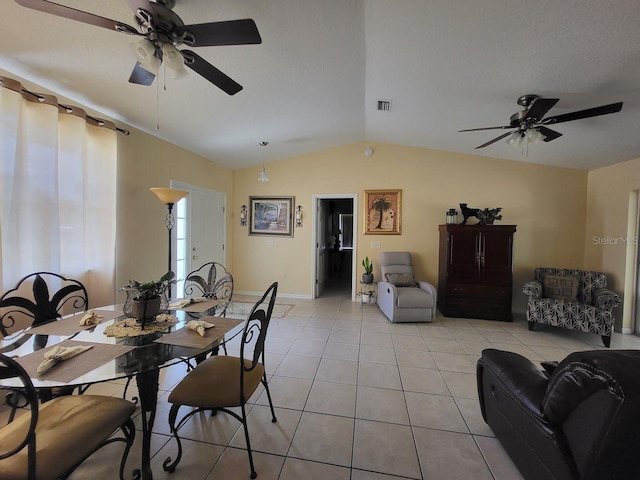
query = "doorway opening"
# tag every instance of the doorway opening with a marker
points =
(334, 245)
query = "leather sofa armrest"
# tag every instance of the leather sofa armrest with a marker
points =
(427, 287)
(520, 376)
(533, 289)
(605, 299)
(387, 294)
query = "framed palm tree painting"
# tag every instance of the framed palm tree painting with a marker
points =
(382, 212)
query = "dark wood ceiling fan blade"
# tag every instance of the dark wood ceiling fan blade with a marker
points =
(548, 133)
(211, 73)
(233, 32)
(580, 114)
(141, 76)
(540, 107)
(485, 128)
(497, 139)
(78, 15)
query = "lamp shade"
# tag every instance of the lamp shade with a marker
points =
(169, 195)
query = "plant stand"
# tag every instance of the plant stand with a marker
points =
(367, 293)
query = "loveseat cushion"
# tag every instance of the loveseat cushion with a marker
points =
(561, 287)
(410, 297)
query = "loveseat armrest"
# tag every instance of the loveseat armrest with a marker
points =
(533, 289)
(605, 299)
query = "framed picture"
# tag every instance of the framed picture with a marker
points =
(271, 216)
(382, 212)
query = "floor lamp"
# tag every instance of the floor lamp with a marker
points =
(169, 197)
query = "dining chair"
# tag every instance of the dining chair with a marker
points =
(222, 382)
(37, 298)
(213, 281)
(50, 440)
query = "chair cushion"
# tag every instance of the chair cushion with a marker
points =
(414, 298)
(216, 383)
(561, 287)
(401, 279)
(68, 430)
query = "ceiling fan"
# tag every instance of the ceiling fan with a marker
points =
(530, 124)
(163, 31)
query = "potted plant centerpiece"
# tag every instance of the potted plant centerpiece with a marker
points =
(145, 300)
(367, 276)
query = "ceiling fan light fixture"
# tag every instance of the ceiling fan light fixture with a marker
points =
(145, 53)
(174, 61)
(533, 135)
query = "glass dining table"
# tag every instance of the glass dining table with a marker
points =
(119, 350)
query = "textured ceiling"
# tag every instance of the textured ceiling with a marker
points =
(315, 80)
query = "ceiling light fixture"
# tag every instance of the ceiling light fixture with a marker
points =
(522, 138)
(263, 174)
(174, 61)
(145, 53)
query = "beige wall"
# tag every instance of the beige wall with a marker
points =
(606, 224)
(547, 204)
(144, 162)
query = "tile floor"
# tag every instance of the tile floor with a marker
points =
(358, 398)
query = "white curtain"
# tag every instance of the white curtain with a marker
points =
(58, 195)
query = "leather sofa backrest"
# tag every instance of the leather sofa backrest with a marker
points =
(589, 281)
(594, 398)
(395, 262)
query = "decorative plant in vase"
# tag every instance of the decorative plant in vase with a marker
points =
(148, 299)
(367, 276)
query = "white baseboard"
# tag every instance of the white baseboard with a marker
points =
(280, 295)
(627, 331)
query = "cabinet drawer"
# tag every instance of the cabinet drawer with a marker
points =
(476, 308)
(478, 291)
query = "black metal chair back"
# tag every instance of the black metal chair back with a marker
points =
(39, 298)
(212, 280)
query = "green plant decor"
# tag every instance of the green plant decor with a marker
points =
(368, 266)
(153, 288)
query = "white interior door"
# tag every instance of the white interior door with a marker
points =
(201, 231)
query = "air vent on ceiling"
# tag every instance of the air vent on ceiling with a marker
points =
(384, 105)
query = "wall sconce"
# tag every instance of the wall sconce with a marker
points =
(243, 216)
(299, 216)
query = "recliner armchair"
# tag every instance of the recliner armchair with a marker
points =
(575, 299)
(579, 421)
(400, 297)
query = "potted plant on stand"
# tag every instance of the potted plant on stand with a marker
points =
(146, 300)
(367, 276)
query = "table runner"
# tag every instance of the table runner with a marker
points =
(75, 367)
(185, 337)
(199, 307)
(70, 325)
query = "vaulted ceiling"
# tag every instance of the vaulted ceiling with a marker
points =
(316, 79)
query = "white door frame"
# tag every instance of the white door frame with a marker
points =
(316, 197)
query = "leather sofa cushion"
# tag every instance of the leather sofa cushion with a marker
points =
(401, 279)
(561, 287)
(58, 435)
(414, 298)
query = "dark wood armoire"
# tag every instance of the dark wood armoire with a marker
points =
(475, 277)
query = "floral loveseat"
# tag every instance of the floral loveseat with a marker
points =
(575, 299)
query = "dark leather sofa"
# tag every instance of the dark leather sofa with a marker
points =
(579, 420)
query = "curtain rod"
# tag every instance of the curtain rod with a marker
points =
(52, 100)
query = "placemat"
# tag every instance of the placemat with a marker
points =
(70, 325)
(190, 338)
(199, 307)
(67, 370)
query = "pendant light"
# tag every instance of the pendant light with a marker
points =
(263, 174)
